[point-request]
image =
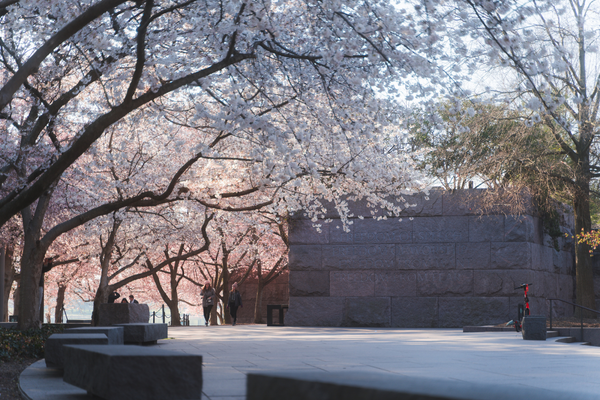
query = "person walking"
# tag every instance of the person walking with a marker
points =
(235, 301)
(209, 297)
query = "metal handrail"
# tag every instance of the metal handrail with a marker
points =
(580, 314)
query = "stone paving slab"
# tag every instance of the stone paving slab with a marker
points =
(498, 358)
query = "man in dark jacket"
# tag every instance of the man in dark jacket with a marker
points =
(113, 296)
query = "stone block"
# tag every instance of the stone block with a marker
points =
(541, 258)
(303, 232)
(116, 372)
(486, 228)
(144, 333)
(444, 283)
(54, 346)
(473, 255)
(456, 312)
(371, 231)
(440, 229)
(521, 228)
(534, 327)
(367, 311)
(511, 255)
(395, 283)
(122, 313)
(315, 311)
(115, 334)
(463, 202)
(359, 283)
(415, 312)
(345, 257)
(425, 256)
(309, 283)
(363, 385)
(305, 257)
(500, 283)
(424, 204)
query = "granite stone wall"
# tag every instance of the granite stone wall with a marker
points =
(439, 265)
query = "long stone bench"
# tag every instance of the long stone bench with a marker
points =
(365, 385)
(54, 347)
(144, 333)
(114, 372)
(115, 334)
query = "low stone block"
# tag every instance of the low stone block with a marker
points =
(534, 327)
(315, 311)
(367, 311)
(54, 347)
(113, 333)
(122, 313)
(415, 312)
(116, 372)
(144, 333)
(384, 386)
(309, 283)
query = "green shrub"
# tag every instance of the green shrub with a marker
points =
(30, 343)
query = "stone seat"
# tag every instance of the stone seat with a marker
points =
(144, 333)
(122, 313)
(54, 347)
(116, 372)
(384, 386)
(115, 334)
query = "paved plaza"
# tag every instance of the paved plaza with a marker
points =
(503, 358)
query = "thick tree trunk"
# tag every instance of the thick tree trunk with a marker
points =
(583, 261)
(31, 273)
(225, 277)
(175, 317)
(60, 303)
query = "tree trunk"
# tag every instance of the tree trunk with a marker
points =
(175, 317)
(258, 304)
(31, 273)
(583, 260)
(9, 278)
(225, 277)
(60, 303)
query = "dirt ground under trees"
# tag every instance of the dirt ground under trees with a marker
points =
(9, 377)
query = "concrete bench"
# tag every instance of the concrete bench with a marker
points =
(54, 347)
(115, 334)
(534, 327)
(144, 333)
(122, 313)
(385, 386)
(116, 372)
